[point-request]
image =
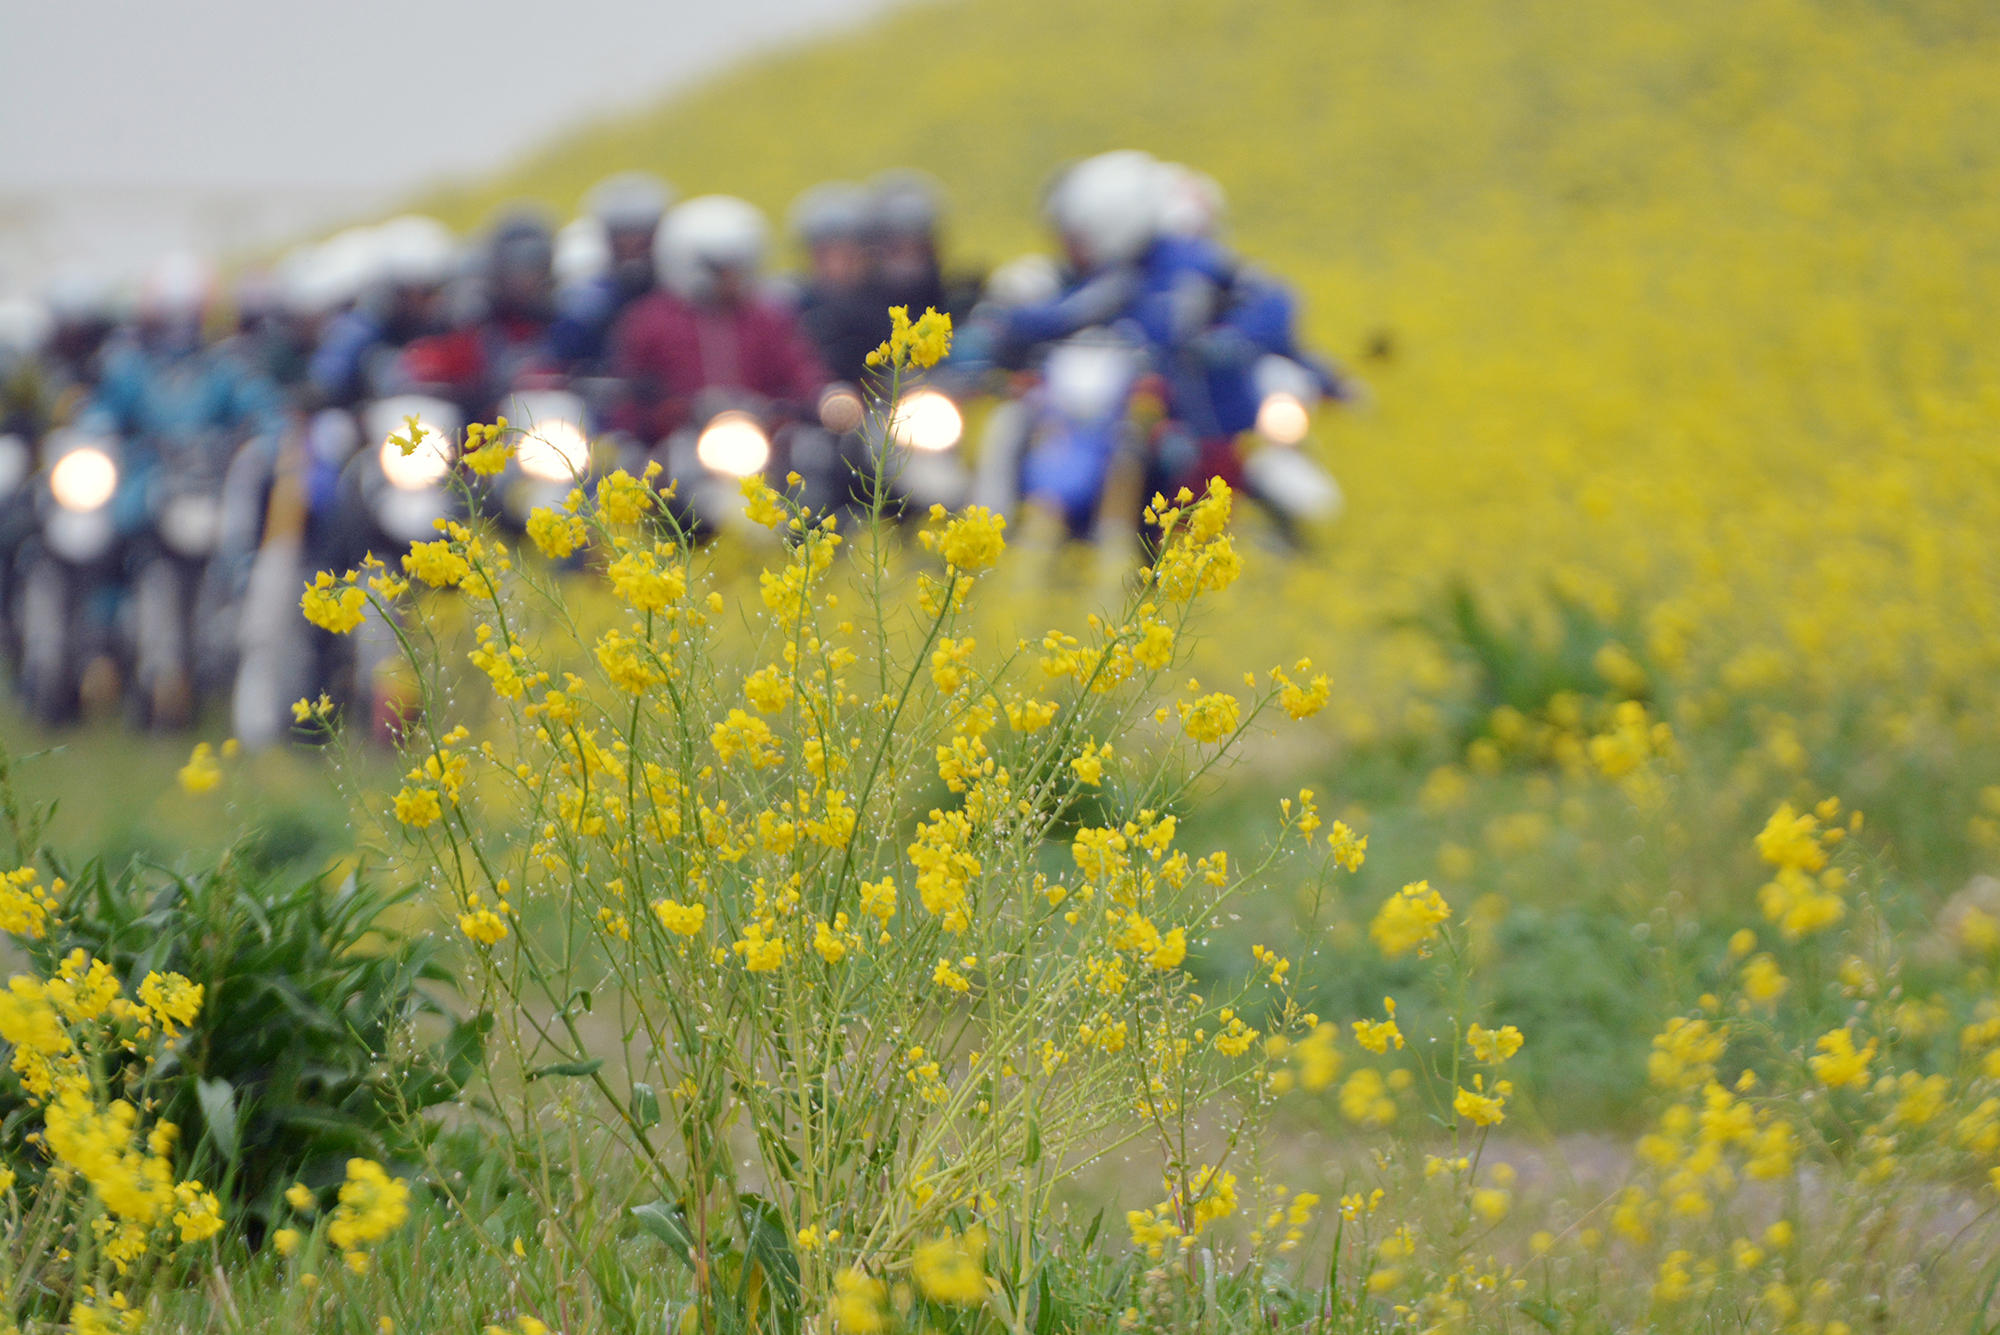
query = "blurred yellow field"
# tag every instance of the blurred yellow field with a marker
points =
(1678, 311)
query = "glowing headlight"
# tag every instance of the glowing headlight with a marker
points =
(553, 451)
(1281, 418)
(425, 467)
(926, 420)
(83, 479)
(733, 443)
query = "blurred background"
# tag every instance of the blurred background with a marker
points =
(227, 125)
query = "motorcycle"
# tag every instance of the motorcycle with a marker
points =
(1070, 439)
(71, 579)
(388, 499)
(927, 424)
(1279, 475)
(734, 434)
(180, 621)
(392, 498)
(552, 455)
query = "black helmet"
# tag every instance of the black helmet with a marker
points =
(520, 243)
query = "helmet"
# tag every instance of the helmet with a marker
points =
(24, 327)
(831, 211)
(1191, 202)
(415, 251)
(78, 295)
(630, 201)
(704, 235)
(583, 252)
(521, 242)
(1107, 207)
(906, 203)
(177, 289)
(336, 272)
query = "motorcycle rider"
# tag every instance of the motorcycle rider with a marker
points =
(162, 383)
(478, 362)
(83, 315)
(1141, 258)
(625, 210)
(906, 215)
(413, 257)
(182, 409)
(710, 326)
(840, 304)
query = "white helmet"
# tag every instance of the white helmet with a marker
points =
(583, 252)
(179, 287)
(1191, 202)
(634, 200)
(1108, 207)
(340, 269)
(707, 235)
(77, 294)
(25, 325)
(415, 251)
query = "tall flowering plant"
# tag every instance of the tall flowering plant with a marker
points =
(853, 949)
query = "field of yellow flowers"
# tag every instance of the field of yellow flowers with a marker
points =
(1578, 919)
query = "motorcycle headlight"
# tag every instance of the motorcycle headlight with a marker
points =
(926, 420)
(423, 467)
(553, 451)
(83, 479)
(733, 444)
(1283, 419)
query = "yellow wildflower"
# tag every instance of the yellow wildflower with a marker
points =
(1409, 919)
(1211, 718)
(952, 1269)
(332, 605)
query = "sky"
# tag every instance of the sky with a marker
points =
(131, 126)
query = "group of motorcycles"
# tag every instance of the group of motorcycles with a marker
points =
(169, 482)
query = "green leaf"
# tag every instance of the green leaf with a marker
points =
(218, 1112)
(645, 1106)
(582, 1068)
(1096, 1222)
(669, 1224)
(768, 1242)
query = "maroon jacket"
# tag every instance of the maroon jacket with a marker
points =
(667, 350)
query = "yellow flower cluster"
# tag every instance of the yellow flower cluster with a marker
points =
(25, 905)
(488, 446)
(970, 541)
(1804, 896)
(914, 344)
(336, 605)
(1409, 920)
(371, 1206)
